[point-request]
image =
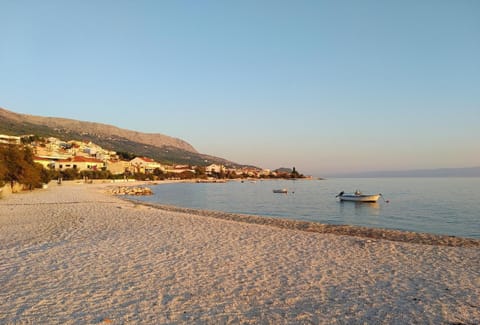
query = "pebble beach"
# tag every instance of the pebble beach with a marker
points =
(76, 254)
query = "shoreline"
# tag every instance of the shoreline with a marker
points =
(394, 235)
(74, 254)
(307, 226)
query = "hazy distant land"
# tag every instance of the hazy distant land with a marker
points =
(440, 172)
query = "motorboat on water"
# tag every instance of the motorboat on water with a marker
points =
(358, 196)
(282, 190)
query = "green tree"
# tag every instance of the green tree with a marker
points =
(95, 174)
(13, 164)
(3, 170)
(126, 155)
(17, 166)
(69, 174)
(158, 174)
(46, 175)
(295, 174)
(200, 172)
(186, 175)
(32, 176)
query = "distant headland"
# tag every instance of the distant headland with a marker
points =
(438, 172)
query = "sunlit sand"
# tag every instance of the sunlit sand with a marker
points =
(75, 254)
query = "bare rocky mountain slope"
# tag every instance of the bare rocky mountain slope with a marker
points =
(97, 129)
(158, 146)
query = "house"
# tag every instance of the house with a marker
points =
(234, 172)
(265, 172)
(10, 139)
(250, 171)
(47, 163)
(178, 169)
(214, 168)
(79, 163)
(144, 165)
(117, 167)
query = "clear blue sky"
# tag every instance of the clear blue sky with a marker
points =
(326, 86)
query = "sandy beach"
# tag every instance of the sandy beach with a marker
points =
(73, 254)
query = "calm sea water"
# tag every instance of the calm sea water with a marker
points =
(448, 206)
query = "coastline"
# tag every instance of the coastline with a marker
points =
(74, 254)
(311, 226)
(345, 230)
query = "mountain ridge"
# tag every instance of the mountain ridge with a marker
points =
(160, 147)
(99, 129)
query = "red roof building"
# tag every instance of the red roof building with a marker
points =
(80, 163)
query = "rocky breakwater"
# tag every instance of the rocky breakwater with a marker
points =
(131, 190)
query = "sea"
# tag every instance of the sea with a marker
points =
(446, 206)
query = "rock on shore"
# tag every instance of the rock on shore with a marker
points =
(130, 190)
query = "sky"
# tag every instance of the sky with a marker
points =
(325, 86)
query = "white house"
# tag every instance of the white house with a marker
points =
(117, 167)
(79, 163)
(214, 168)
(144, 165)
(9, 139)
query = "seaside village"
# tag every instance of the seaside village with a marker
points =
(83, 156)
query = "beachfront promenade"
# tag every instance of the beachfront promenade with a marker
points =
(73, 254)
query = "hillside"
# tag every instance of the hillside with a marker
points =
(162, 148)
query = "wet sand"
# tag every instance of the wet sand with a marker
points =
(73, 254)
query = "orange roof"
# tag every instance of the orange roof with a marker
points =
(147, 159)
(41, 159)
(81, 159)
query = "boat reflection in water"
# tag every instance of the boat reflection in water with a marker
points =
(359, 209)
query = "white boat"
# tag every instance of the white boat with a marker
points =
(358, 197)
(282, 190)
